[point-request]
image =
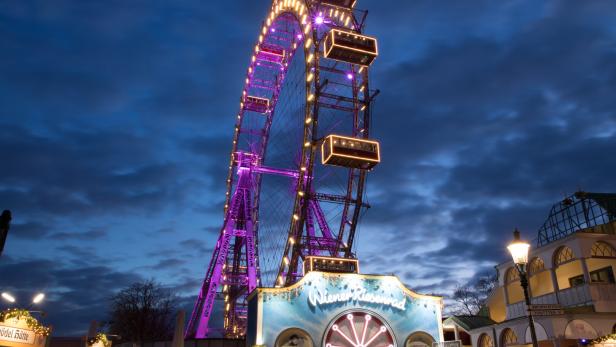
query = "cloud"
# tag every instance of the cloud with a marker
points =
(28, 231)
(82, 255)
(85, 172)
(169, 263)
(120, 131)
(87, 235)
(483, 133)
(165, 230)
(196, 245)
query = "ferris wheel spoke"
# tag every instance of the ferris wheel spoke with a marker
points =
(335, 198)
(367, 319)
(320, 216)
(337, 329)
(310, 223)
(350, 318)
(276, 171)
(382, 329)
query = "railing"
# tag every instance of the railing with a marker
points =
(519, 309)
(581, 295)
(516, 310)
(603, 292)
(575, 296)
(549, 298)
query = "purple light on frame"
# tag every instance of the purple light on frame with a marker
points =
(320, 19)
(299, 36)
(350, 76)
(273, 30)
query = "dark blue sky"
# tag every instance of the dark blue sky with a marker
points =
(116, 120)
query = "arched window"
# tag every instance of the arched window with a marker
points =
(294, 337)
(536, 265)
(485, 340)
(602, 249)
(562, 255)
(419, 339)
(512, 275)
(508, 338)
(580, 329)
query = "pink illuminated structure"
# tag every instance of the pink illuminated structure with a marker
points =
(281, 205)
(359, 329)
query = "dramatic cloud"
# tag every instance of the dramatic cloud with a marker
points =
(485, 130)
(117, 118)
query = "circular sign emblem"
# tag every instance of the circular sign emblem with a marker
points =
(359, 329)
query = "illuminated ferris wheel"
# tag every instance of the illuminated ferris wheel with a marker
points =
(299, 156)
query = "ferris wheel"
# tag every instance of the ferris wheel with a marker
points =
(299, 156)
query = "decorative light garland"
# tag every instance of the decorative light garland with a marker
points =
(100, 337)
(603, 338)
(32, 322)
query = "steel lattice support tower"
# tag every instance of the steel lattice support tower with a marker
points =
(233, 270)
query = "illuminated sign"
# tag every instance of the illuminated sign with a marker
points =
(318, 297)
(12, 334)
(324, 307)
(19, 329)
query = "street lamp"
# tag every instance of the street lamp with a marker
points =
(38, 298)
(519, 253)
(35, 300)
(8, 297)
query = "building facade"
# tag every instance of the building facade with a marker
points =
(571, 280)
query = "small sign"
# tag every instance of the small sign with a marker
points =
(541, 307)
(546, 309)
(546, 312)
(12, 334)
(454, 343)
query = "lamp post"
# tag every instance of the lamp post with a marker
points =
(519, 253)
(11, 299)
(8, 297)
(38, 298)
(5, 223)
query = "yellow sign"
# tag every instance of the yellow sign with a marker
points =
(19, 329)
(13, 334)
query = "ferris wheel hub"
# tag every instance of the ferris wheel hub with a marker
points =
(246, 159)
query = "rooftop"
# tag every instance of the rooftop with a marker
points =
(471, 322)
(580, 212)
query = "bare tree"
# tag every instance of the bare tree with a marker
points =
(143, 312)
(472, 297)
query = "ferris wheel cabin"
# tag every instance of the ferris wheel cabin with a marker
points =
(271, 53)
(340, 3)
(256, 104)
(331, 264)
(350, 47)
(350, 152)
